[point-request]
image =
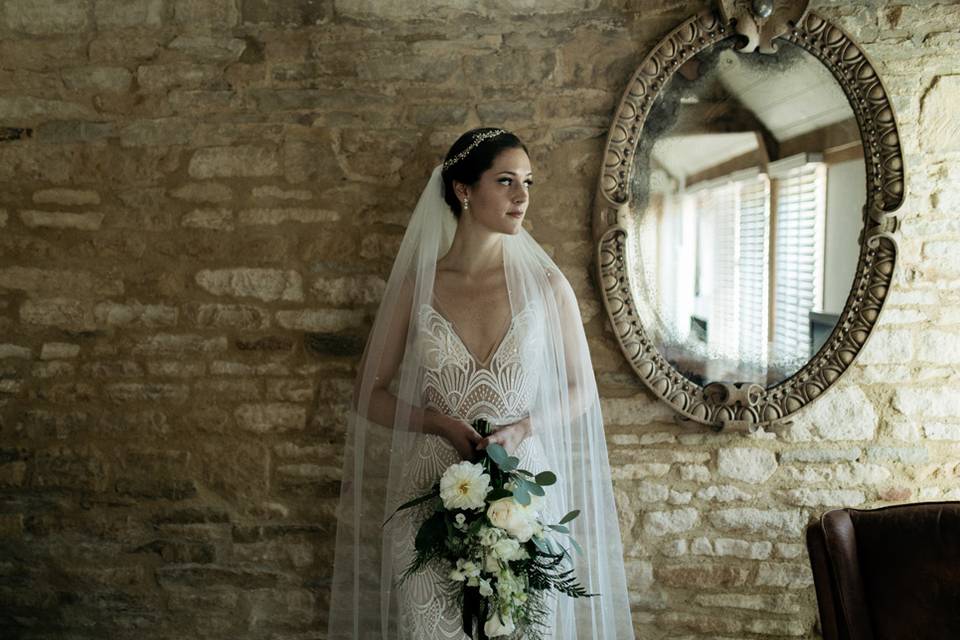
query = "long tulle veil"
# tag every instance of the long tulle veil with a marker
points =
(565, 414)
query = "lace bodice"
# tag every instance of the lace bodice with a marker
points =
(456, 384)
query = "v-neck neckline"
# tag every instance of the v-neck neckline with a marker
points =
(437, 307)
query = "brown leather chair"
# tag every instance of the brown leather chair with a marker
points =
(888, 574)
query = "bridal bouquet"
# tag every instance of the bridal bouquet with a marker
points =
(488, 530)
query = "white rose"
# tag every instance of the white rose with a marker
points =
(513, 518)
(464, 486)
(506, 549)
(498, 625)
(489, 536)
(491, 564)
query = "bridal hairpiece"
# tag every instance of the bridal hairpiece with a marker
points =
(486, 135)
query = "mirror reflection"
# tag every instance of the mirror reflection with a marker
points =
(747, 204)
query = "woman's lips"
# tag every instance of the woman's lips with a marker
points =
(515, 214)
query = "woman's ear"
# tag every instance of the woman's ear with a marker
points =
(460, 190)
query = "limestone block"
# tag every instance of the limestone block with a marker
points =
(41, 18)
(746, 464)
(264, 284)
(241, 161)
(207, 48)
(198, 14)
(941, 431)
(19, 107)
(227, 316)
(176, 369)
(694, 473)
(820, 455)
(639, 470)
(3, 217)
(408, 9)
(770, 626)
(69, 197)
(939, 129)
(61, 219)
(927, 401)
(135, 314)
(831, 498)
(122, 392)
(271, 417)
(64, 313)
(702, 576)
(937, 346)
(272, 192)
(659, 523)
(203, 192)
(97, 78)
(128, 13)
(285, 13)
(904, 455)
(650, 492)
(15, 351)
(215, 219)
(843, 413)
(320, 320)
(783, 574)
(168, 344)
(279, 216)
(722, 493)
(779, 603)
(760, 521)
(887, 346)
(156, 131)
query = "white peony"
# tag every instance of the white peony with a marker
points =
(498, 625)
(512, 517)
(489, 536)
(464, 486)
(506, 549)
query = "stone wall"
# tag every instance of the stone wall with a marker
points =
(200, 202)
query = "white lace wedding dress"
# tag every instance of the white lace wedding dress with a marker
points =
(458, 384)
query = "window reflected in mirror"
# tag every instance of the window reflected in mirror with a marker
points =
(747, 212)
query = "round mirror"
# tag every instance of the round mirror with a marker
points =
(746, 202)
(745, 213)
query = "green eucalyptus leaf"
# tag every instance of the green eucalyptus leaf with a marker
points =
(576, 545)
(570, 516)
(546, 478)
(535, 489)
(509, 464)
(521, 495)
(497, 453)
(541, 544)
(559, 527)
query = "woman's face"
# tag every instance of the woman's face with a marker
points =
(499, 199)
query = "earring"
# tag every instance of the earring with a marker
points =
(466, 205)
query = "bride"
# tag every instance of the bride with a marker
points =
(476, 322)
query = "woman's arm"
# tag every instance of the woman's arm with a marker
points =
(383, 405)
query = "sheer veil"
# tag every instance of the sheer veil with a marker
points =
(565, 414)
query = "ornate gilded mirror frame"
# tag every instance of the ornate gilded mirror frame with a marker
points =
(729, 405)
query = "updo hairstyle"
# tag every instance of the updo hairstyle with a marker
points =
(469, 169)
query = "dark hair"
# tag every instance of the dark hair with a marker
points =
(469, 169)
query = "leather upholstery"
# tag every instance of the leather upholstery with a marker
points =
(888, 574)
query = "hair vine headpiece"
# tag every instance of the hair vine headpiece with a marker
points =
(486, 135)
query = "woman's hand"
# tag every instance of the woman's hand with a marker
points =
(462, 436)
(509, 437)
